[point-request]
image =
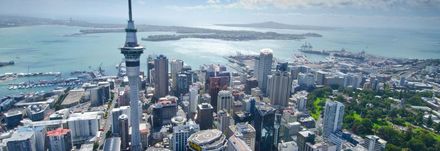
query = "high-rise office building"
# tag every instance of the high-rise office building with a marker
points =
(224, 120)
(205, 116)
(84, 126)
(182, 84)
(21, 141)
(59, 140)
(193, 99)
(163, 111)
(333, 116)
(320, 77)
(176, 66)
(301, 104)
(224, 101)
(123, 131)
(304, 138)
(374, 143)
(279, 86)
(207, 140)
(237, 144)
(244, 131)
(264, 68)
(181, 134)
(132, 52)
(161, 80)
(40, 133)
(220, 82)
(306, 80)
(150, 66)
(116, 112)
(264, 124)
(250, 83)
(112, 144)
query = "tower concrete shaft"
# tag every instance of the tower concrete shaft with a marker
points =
(132, 52)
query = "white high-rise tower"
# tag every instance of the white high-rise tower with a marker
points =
(132, 51)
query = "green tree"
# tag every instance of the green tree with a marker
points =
(416, 145)
(392, 147)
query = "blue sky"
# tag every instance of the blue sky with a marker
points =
(357, 13)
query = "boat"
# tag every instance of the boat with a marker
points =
(308, 48)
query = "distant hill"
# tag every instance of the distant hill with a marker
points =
(275, 25)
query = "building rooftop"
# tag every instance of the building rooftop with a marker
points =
(20, 136)
(207, 139)
(287, 146)
(306, 133)
(86, 147)
(13, 113)
(86, 115)
(266, 51)
(242, 128)
(239, 144)
(34, 109)
(58, 132)
(73, 97)
(205, 106)
(112, 144)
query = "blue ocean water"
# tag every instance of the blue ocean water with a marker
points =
(46, 48)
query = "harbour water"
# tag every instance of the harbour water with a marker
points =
(46, 48)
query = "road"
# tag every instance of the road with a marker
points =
(106, 123)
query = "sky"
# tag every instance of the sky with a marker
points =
(339, 13)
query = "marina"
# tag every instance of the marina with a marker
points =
(46, 83)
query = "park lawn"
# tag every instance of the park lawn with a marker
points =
(433, 134)
(318, 109)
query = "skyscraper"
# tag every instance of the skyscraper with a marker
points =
(181, 134)
(278, 88)
(161, 82)
(116, 112)
(123, 131)
(224, 121)
(182, 85)
(245, 132)
(163, 111)
(264, 124)
(224, 101)
(176, 67)
(237, 144)
(264, 68)
(59, 140)
(205, 116)
(193, 99)
(220, 82)
(303, 138)
(132, 51)
(333, 116)
(21, 141)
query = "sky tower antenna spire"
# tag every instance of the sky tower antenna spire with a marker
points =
(129, 11)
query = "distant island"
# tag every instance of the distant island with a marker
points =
(180, 31)
(233, 36)
(276, 25)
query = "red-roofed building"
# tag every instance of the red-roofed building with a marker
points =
(59, 140)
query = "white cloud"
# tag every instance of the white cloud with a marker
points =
(287, 4)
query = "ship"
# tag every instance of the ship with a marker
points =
(7, 63)
(308, 48)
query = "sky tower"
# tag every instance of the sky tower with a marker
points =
(132, 52)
